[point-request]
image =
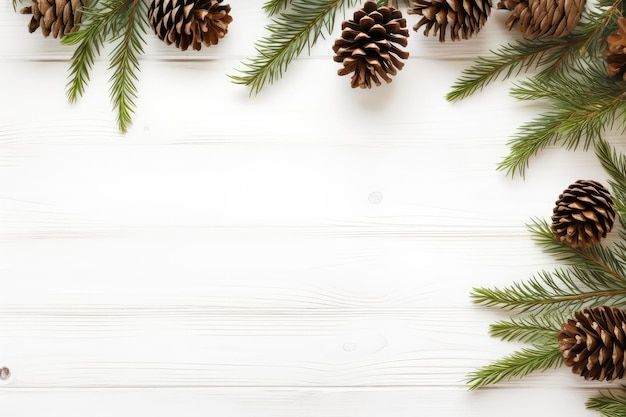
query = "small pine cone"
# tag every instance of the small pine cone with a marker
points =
(189, 22)
(593, 344)
(465, 17)
(543, 18)
(583, 214)
(615, 53)
(56, 17)
(367, 45)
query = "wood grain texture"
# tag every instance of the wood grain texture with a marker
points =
(305, 252)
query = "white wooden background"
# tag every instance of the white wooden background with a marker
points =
(305, 252)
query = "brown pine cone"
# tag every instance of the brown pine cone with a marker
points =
(56, 17)
(367, 45)
(464, 17)
(543, 18)
(189, 22)
(583, 214)
(615, 53)
(593, 344)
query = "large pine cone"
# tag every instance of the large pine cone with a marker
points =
(593, 344)
(465, 17)
(189, 22)
(367, 46)
(56, 17)
(543, 18)
(583, 214)
(615, 52)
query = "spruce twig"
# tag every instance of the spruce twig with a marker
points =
(507, 61)
(608, 405)
(289, 34)
(112, 20)
(125, 64)
(272, 7)
(530, 329)
(583, 104)
(517, 365)
(592, 277)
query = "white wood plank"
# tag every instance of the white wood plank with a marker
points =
(234, 402)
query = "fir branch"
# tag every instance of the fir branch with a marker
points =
(289, 34)
(517, 365)
(98, 22)
(507, 61)
(112, 20)
(614, 164)
(584, 103)
(530, 329)
(272, 7)
(125, 63)
(608, 405)
(605, 261)
(562, 290)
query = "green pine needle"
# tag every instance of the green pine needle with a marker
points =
(272, 7)
(517, 365)
(121, 21)
(125, 63)
(289, 34)
(583, 103)
(530, 329)
(614, 164)
(608, 405)
(507, 61)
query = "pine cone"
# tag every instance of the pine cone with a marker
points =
(465, 17)
(615, 53)
(593, 344)
(367, 45)
(58, 17)
(189, 22)
(583, 214)
(543, 18)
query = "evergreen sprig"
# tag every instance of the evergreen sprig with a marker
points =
(517, 365)
(592, 277)
(608, 405)
(289, 34)
(578, 114)
(530, 329)
(121, 21)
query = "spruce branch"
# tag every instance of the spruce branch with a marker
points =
(583, 104)
(90, 38)
(608, 405)
(289, 34)
(507, 61)
(592, 277)
(125, 63)
(121, 21)
(517, 365)
(614, 164)
(272, 7)
(606, 262)
(531, 329)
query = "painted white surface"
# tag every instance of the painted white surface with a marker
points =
(306, 252)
